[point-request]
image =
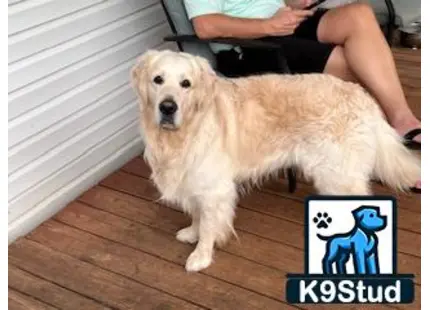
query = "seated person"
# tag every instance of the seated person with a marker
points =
(345, 41)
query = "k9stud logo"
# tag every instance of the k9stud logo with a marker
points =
(350, 253)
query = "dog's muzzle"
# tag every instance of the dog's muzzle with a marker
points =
(167, 110)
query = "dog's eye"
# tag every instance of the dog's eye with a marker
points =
(185, 83)
(158, 80)
(372, 215)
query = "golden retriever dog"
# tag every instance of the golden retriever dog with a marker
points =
(206, 135)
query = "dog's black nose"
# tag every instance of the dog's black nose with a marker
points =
(168, 107)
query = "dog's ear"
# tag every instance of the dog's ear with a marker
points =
(358, 215)
(205, 77)
(138, 75)
(142, 63)
(205, 66)
(135, 74)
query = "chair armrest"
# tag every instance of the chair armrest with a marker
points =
(248, 43)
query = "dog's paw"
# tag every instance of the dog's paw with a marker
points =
(187, 235)
(198, 260)
(322, 220)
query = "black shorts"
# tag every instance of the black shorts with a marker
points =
(302, 50)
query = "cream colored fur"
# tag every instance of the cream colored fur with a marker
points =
(228, 132)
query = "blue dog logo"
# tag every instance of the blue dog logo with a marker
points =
(356, 267)
(361, 243)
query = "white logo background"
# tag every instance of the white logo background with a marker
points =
(343, 222)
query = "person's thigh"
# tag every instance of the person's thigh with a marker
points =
(337, 24)
(303, 51)
(305, 55)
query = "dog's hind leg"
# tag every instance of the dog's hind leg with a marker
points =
(332, 183)
(339, 170)
(215, 226)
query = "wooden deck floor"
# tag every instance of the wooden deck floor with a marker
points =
(115, 247)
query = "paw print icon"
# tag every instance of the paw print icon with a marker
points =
(322, 220)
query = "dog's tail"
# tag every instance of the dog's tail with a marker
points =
(324, 238)
(395, 165)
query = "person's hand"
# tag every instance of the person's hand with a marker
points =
(285, 21)
(299, 4)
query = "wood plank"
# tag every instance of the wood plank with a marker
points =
(131, 184)
(20, 301)
(402, 54)
(249, 245)
(138, 166)
(74, 274)
(410, 77)
(145, 268)
(49, 292)
(409, 71)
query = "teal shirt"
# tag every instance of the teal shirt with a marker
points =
(234, 8)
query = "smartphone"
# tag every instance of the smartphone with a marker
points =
(315, 4)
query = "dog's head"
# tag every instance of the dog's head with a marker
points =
(370, 218)
(172, 86)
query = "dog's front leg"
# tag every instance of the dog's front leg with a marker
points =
(360, 262)
(190, 234)
(372, 264)
(215, 225)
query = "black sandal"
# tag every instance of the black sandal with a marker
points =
(408, 140)
(415, 190)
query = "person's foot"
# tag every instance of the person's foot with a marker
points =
(417, 188)
(405, 127)
(410, 127)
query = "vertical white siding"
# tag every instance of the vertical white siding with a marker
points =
(72, 112)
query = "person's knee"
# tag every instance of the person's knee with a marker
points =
(337, 65)
(360, 16)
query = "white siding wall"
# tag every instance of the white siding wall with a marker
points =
(72, 112)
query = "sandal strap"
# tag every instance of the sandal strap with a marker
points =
(412, 145)
(412, 134)
(415, 190)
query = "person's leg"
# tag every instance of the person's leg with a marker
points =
(337, 65)
(368, 57)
